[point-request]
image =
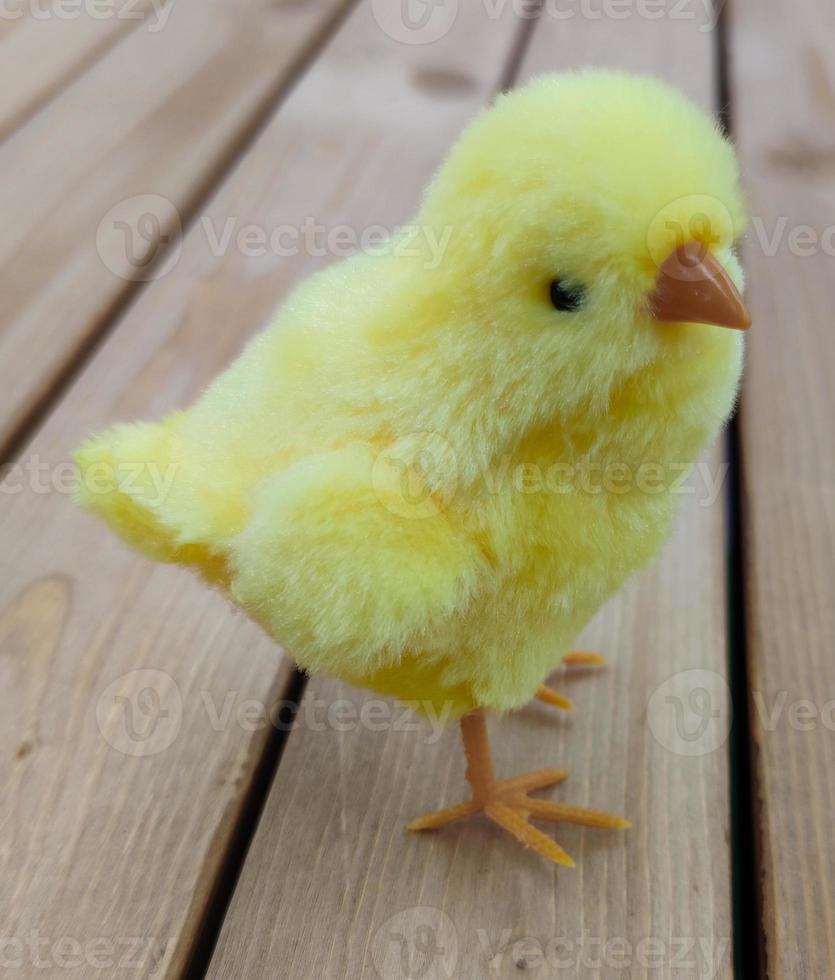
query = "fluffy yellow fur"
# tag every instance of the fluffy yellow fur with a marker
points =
(423, 478)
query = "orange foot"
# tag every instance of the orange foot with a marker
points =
(506, 802)
(579, 658)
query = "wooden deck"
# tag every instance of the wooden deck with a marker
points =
(154, 823)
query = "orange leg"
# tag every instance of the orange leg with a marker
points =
(579, 658)
(506, 802)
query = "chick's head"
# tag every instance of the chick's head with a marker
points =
(590, 220)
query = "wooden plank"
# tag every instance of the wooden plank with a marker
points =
(783, 95)
(131, 729)
(106, 174)
(334, 886)
(54, 43)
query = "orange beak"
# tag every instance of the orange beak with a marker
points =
(692, 287)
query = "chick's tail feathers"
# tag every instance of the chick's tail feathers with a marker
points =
(125, 476)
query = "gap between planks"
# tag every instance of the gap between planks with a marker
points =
(60, 336)
(749, 940)
(781, 74)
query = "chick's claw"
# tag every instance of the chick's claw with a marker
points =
(577, 658)
(583, 658)
(506, 802)
(433, 821)
(547, 810)
(554, 698)
(506, 790)
(516, 823)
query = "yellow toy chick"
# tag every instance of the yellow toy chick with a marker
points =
(353, 481)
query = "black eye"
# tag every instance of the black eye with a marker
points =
(567, 296)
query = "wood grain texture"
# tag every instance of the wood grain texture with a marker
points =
(51, 47)
(147, 131)
(134, 698)
(334, 886)
(783, 100)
